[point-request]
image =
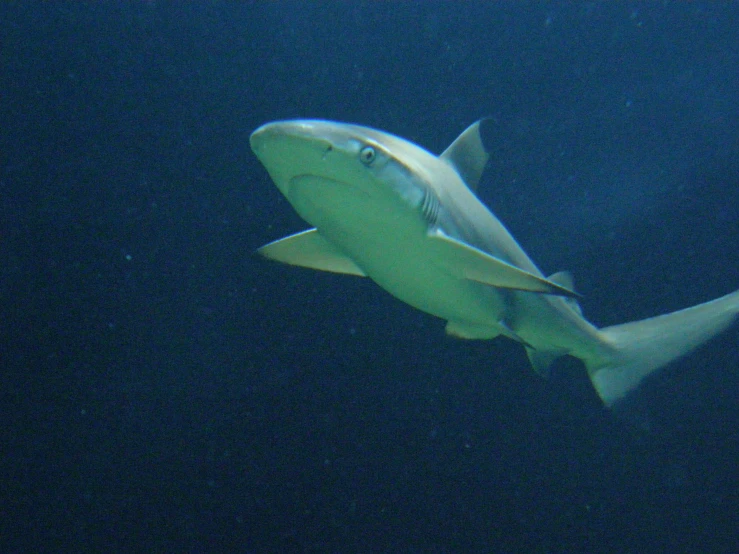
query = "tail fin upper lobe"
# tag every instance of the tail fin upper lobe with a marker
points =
(643, 347)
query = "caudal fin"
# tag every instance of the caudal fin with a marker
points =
(642, 347)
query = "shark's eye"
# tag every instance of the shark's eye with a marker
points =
(367, 155)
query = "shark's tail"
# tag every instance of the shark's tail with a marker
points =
(642, 347)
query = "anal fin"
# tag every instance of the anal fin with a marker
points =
(541, 360)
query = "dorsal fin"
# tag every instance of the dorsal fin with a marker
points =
(565, 279)
(469, 153)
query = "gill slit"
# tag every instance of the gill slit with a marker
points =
(429, 207)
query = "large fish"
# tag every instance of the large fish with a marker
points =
(384, 208)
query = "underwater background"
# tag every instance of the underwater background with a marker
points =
(163, 389)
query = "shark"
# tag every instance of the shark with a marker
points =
(385, 208)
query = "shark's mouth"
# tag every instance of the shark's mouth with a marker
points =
(322, 189)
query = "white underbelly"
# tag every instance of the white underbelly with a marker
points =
(388, 240)
(405, 268)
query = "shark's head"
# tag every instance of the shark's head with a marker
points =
(331, 171)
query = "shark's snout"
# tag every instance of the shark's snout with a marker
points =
(288, 141)
(291, 149)
(267, 134)
(305, 130)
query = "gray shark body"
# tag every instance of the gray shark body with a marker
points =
(384, 208)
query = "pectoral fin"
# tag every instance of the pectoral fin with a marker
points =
(309, 249)
(472, 263)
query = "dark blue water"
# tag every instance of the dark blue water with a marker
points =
(164, 390)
